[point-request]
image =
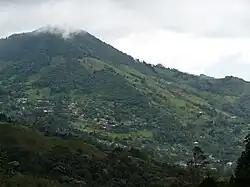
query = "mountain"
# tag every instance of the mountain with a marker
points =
(77, 82)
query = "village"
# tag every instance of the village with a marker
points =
(106, 129)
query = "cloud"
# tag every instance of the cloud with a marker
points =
(103, 17)
(214, 17)
(23, 2)
(191, 35)
(234, 65)
(222, 18)
(213, 56)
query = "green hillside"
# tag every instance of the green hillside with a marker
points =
(29, 158)
(81, 83)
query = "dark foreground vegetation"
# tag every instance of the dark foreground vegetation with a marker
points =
(31, 158)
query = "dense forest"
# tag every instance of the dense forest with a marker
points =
(29, 157)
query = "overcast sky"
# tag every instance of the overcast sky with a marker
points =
(196, 36)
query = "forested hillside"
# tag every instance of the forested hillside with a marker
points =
(80, 83)
(30, 158)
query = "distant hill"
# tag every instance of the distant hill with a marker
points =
(79, 82)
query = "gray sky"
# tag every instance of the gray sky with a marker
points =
(196, 36)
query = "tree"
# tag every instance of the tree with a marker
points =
(3, 117)
(247, 139)
(242, 172)
(3, 157)
(199, 158)
(197, 166)
(208, 182)
(36, 118)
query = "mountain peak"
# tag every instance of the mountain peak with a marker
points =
(64, 31)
